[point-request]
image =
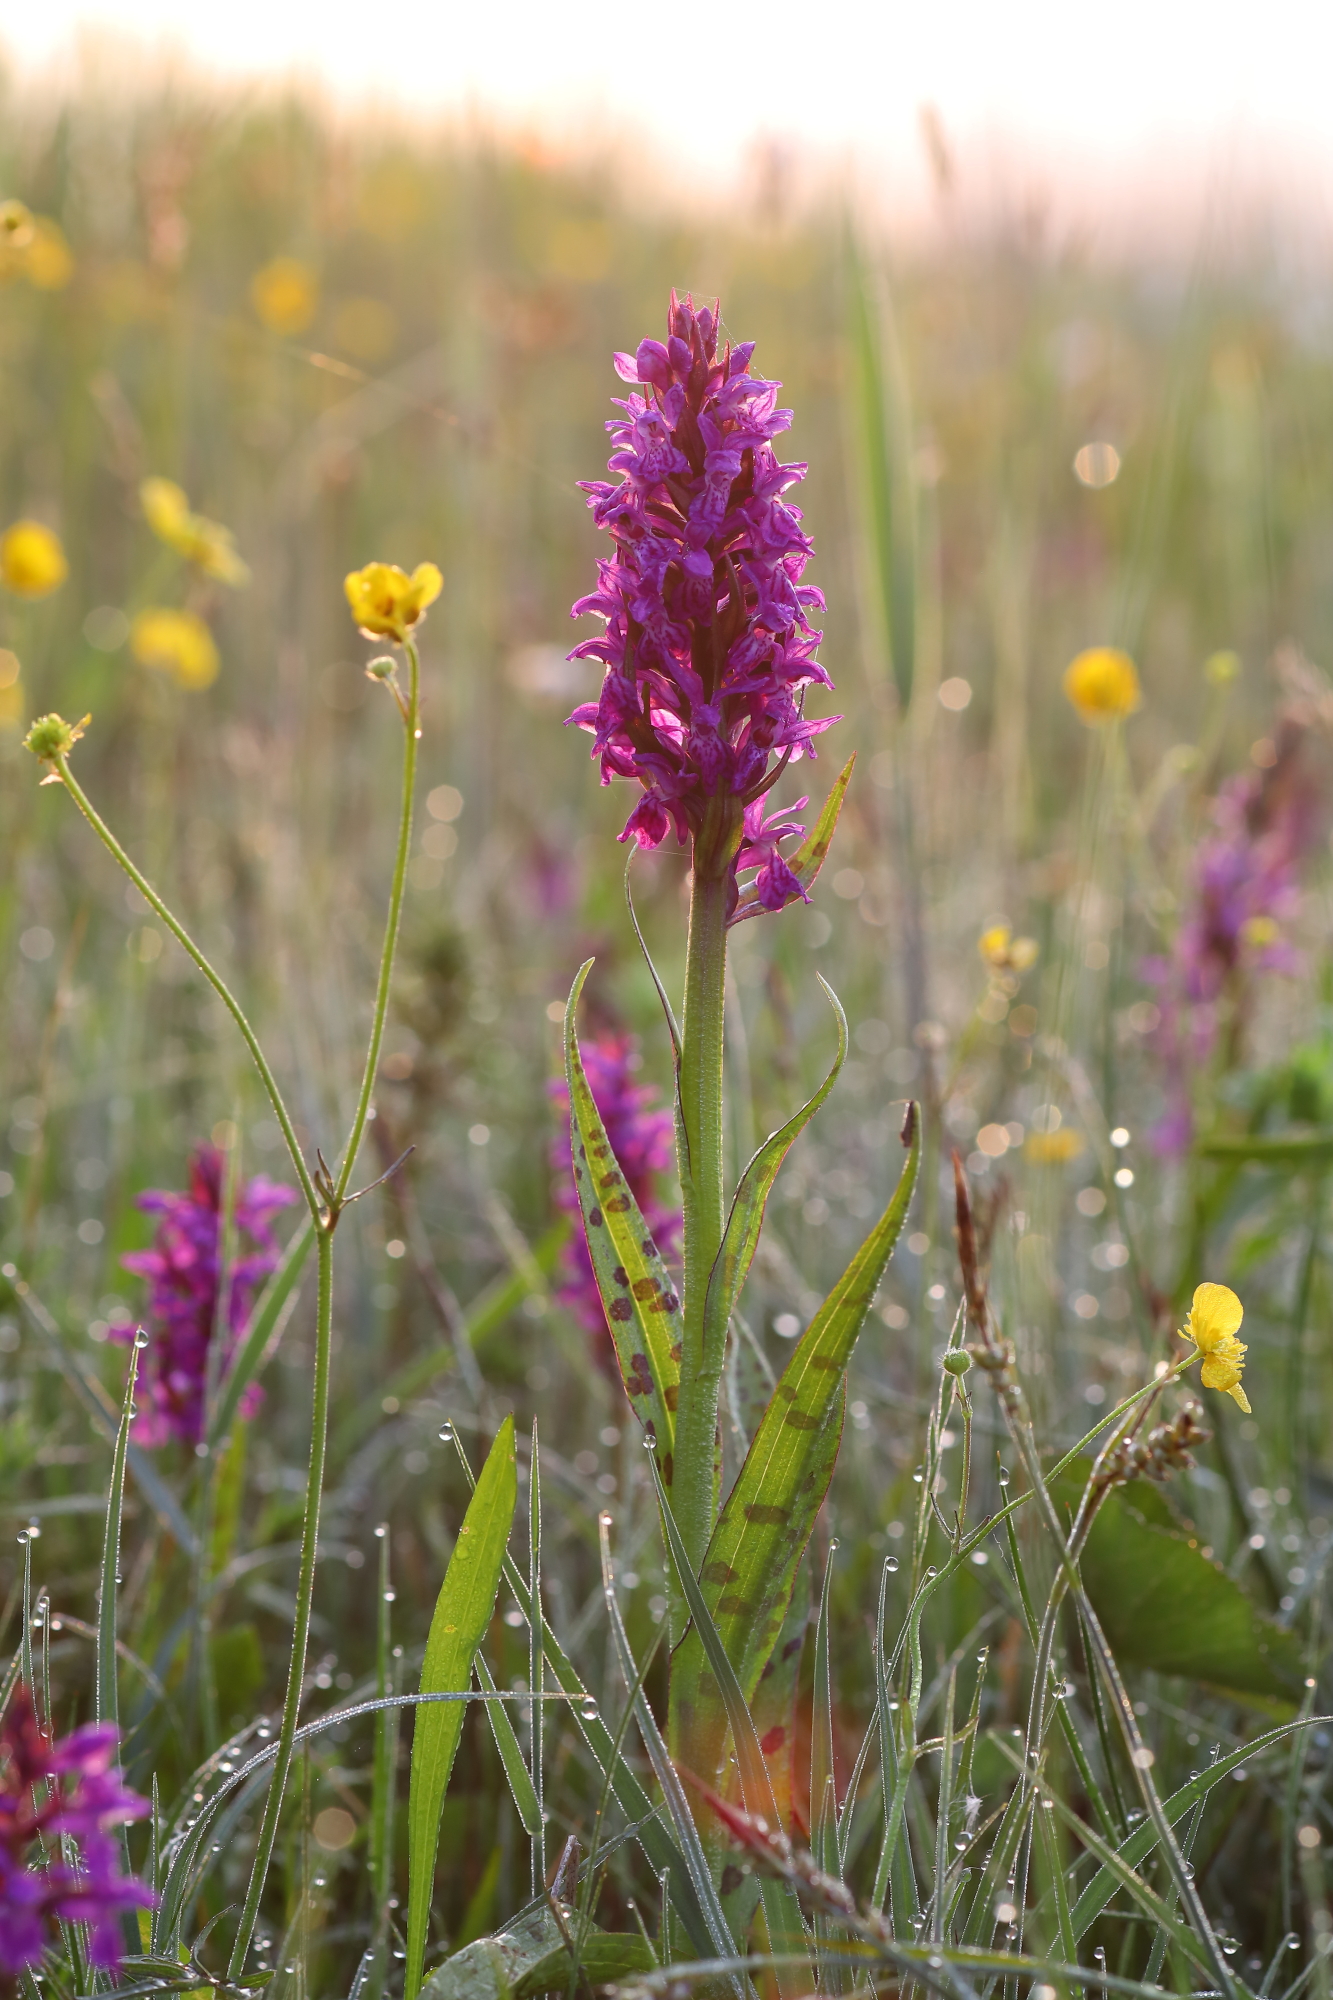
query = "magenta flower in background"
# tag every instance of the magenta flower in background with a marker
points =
(641, 1139)
(48, 1789)
(708, 647)
(1244, 887)
(184, 1270)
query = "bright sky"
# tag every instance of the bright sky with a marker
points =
(1157, 97)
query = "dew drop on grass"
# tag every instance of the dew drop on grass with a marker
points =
(141, 1339)
(390, 1596)
(1003, 1475)
(588, 1708)
(650, 1441)
(604, 1519)
(891, 1565)
(446, 1437)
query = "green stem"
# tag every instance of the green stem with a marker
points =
(215, 980)
(694, 1490)
(411, 737)
(305, 1591)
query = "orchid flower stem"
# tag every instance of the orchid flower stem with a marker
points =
(694, 1492)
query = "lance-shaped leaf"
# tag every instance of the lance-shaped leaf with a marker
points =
(639, 1299)
(462, 1613)
(732, 1264)
(762, 1531)
(809, 857)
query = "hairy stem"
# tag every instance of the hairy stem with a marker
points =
(411, 737)
(694, 1491)
(215, 979)
(305, 1591)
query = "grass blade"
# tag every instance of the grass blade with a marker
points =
(462, 1613)
(746, 1219)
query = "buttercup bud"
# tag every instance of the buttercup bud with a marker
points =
(51, 737)
(957, 1361)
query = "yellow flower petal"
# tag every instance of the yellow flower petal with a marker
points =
(1214, 1317)
(386, 602)
(1103, 684)
(32, 562)
(176, 643)
(285, 294)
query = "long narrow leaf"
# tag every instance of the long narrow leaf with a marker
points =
(732, 1264)
(762, 1531)
(108, 1700)
(641, 1305)
(462, 1613)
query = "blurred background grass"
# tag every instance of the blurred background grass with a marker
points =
(423, 375)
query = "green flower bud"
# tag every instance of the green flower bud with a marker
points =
(381, 669)
(957, 1361)
(51, 737)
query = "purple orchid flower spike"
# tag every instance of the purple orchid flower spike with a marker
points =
(708, 646)
(184, 1269)
(69, 1788)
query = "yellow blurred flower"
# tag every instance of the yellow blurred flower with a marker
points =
(1103, 684)
(1003, 952)
(32, 562)
(205, 543)
(1213, 1320)
(386, 602)
(11, 691)
(16, 225)
(33, 247)
(176, 643)
(285, 294)
(1221, 668)
(1053, 1149)
(1260, 932)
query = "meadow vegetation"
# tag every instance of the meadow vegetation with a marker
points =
(1030, 1692)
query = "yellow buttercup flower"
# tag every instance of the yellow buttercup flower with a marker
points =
(32, 562)
(386, 602)
(33, 247)
(207, 544)
(1214, 1317)
(1003, 952)
(1053, 1149)
(285, 294)
(1103, 684)
(176, 643)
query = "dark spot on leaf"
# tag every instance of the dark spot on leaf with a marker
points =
(621, 1275)
(793, 1646)
(764, 1516)
(648, 1247)
(825, 1361)
(639, 1381)
(734, 1607)
(609, 1180)
(773, 1741)
(617, 1204)
(671, 1395)
(668, 1468)
(644, 1287)
(801, 1420)
(719, 1572)
(676, 1352)
(594, 1218)
(732, 1878)
(621, 1309)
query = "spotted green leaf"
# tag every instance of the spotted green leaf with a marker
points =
(641, 1304)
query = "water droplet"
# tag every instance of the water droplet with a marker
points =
(650, 1440)
(390, 1596)
(400, 1954)
(932, 1571)
(834, 1543)
(891, 1565)
(588, 1708)
(141, 1339)
(918, 1475)
(960, 1843)
(604, 1519)
(446, 1437)
(983, 1656)
(1003, 1475)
